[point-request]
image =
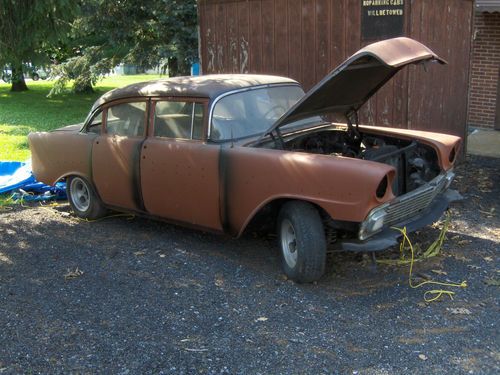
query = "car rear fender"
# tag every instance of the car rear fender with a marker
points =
(56, 155)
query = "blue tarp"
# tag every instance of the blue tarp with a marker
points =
(14, 174)
(16, 177)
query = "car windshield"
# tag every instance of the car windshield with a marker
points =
(251, 112)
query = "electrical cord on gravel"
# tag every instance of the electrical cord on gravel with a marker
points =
(436, 293)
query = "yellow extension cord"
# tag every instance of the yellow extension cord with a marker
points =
(128, 216)
(438, 293)
(49, 207)
(55, 204)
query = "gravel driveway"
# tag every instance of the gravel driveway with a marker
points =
(137, 296)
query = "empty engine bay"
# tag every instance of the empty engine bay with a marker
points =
(415, 163)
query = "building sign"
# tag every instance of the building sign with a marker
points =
(382, 19)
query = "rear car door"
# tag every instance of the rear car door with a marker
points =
(116, 154)
(179, 170)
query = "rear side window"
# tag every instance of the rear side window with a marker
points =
(182, 120)
(126, 119)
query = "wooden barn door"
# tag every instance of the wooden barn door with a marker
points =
(497, 117)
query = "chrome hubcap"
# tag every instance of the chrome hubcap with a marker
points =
(289, 243)
(80, 195)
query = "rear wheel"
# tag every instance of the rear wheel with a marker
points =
(302, 242)
(83, 200)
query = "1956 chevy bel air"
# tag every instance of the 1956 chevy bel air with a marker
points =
(215, 151)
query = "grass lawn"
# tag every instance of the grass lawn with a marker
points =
(24, 112)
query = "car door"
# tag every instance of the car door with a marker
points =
(179, 170)
(116, 154)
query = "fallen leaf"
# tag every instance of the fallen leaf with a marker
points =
(474, 267)
(261, 319)
(488, 259)
(219, 280)
(73, 274)
(423, 357)
(162, 255)
(492, 282)
(139, 253)
(439, 272)
(485, 190)
(424, 276)
(459, 310)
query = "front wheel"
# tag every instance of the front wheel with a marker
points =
(302, 242)
(83, 200)
(35, 77)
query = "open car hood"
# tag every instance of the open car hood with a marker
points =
(346, 88)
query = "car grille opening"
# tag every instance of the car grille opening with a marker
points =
(411, 204)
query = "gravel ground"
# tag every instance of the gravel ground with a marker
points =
(137, 296)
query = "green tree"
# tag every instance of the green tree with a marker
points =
(144, 33)
(29, 27)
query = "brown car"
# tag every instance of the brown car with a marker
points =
(214, 152)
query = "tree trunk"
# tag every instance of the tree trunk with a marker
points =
(184, 68)
(173, 69)
(178, 67)
(83, 86)
(18, 83)
(84, 89)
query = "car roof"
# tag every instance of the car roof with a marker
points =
(208, 86)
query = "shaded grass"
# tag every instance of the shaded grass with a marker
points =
(24, 112)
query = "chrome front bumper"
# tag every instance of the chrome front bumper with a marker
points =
(405, 207)
(413, 210)
(388, 236)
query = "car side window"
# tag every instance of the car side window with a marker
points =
(174, 119)
(95, 125)
(126, 119)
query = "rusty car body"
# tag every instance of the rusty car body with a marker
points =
(215, 152)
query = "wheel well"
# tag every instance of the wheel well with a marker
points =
(65, 177)
(264, 220)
